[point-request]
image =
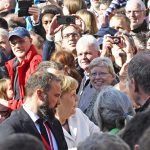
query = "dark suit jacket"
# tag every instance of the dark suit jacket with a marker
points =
(20, 122)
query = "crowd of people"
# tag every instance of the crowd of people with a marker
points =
(74, 74)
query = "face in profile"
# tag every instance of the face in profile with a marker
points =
(51, 100)
(68, 100)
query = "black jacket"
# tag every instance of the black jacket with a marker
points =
(20, 122)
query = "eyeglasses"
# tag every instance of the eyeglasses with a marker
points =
(135, 12)
(74, 35)
(100, 74)
(18, 41)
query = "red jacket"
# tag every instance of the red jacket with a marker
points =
(25, 69)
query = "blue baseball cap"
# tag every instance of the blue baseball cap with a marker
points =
(19, 31)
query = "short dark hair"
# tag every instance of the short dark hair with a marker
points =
(21, 141)
(139, 70)
(3, 23)
(144, 143)
(50, 9)
(40, 80)
(103, 141)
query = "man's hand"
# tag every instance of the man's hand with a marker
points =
(35, 12)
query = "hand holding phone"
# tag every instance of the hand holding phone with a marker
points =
(23, 6)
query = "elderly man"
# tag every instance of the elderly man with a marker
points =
(36, 117)
(136, 12)
(87, 49)
(23, 65)
(138, 81)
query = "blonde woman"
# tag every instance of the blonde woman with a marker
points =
(90, 20)
(76, 125)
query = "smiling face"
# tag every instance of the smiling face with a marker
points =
(100, 76)
(85, 55)
(20, 46)
(135, 14)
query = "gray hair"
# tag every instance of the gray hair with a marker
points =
(4, 32)
(87, 39)
(103, 141)
(111, 106)
(139, 70)
(103, 62)
(132, 2)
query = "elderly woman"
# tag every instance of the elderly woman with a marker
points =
(112, 109)
(101, 74)
(76, 125)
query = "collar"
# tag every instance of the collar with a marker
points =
(144, 107)
(32, 115)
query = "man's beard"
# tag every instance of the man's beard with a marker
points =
(44, 111)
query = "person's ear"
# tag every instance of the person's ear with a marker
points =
(136, 147)
(40, 94)
(134, 85)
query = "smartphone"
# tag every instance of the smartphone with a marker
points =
(66, 19)
(23, 6)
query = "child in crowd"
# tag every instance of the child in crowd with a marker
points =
(6, 93)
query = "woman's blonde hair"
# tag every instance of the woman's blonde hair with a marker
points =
(89, 19)
(74, 5)
(3, 88)
(68, 84)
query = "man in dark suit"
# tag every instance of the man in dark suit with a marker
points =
(43, 91)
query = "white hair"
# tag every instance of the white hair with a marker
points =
(133, 2)
(86, 40)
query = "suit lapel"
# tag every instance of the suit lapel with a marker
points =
(28, 125)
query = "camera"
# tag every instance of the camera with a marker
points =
(23, 6)
(66, 19)
(116, 40)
